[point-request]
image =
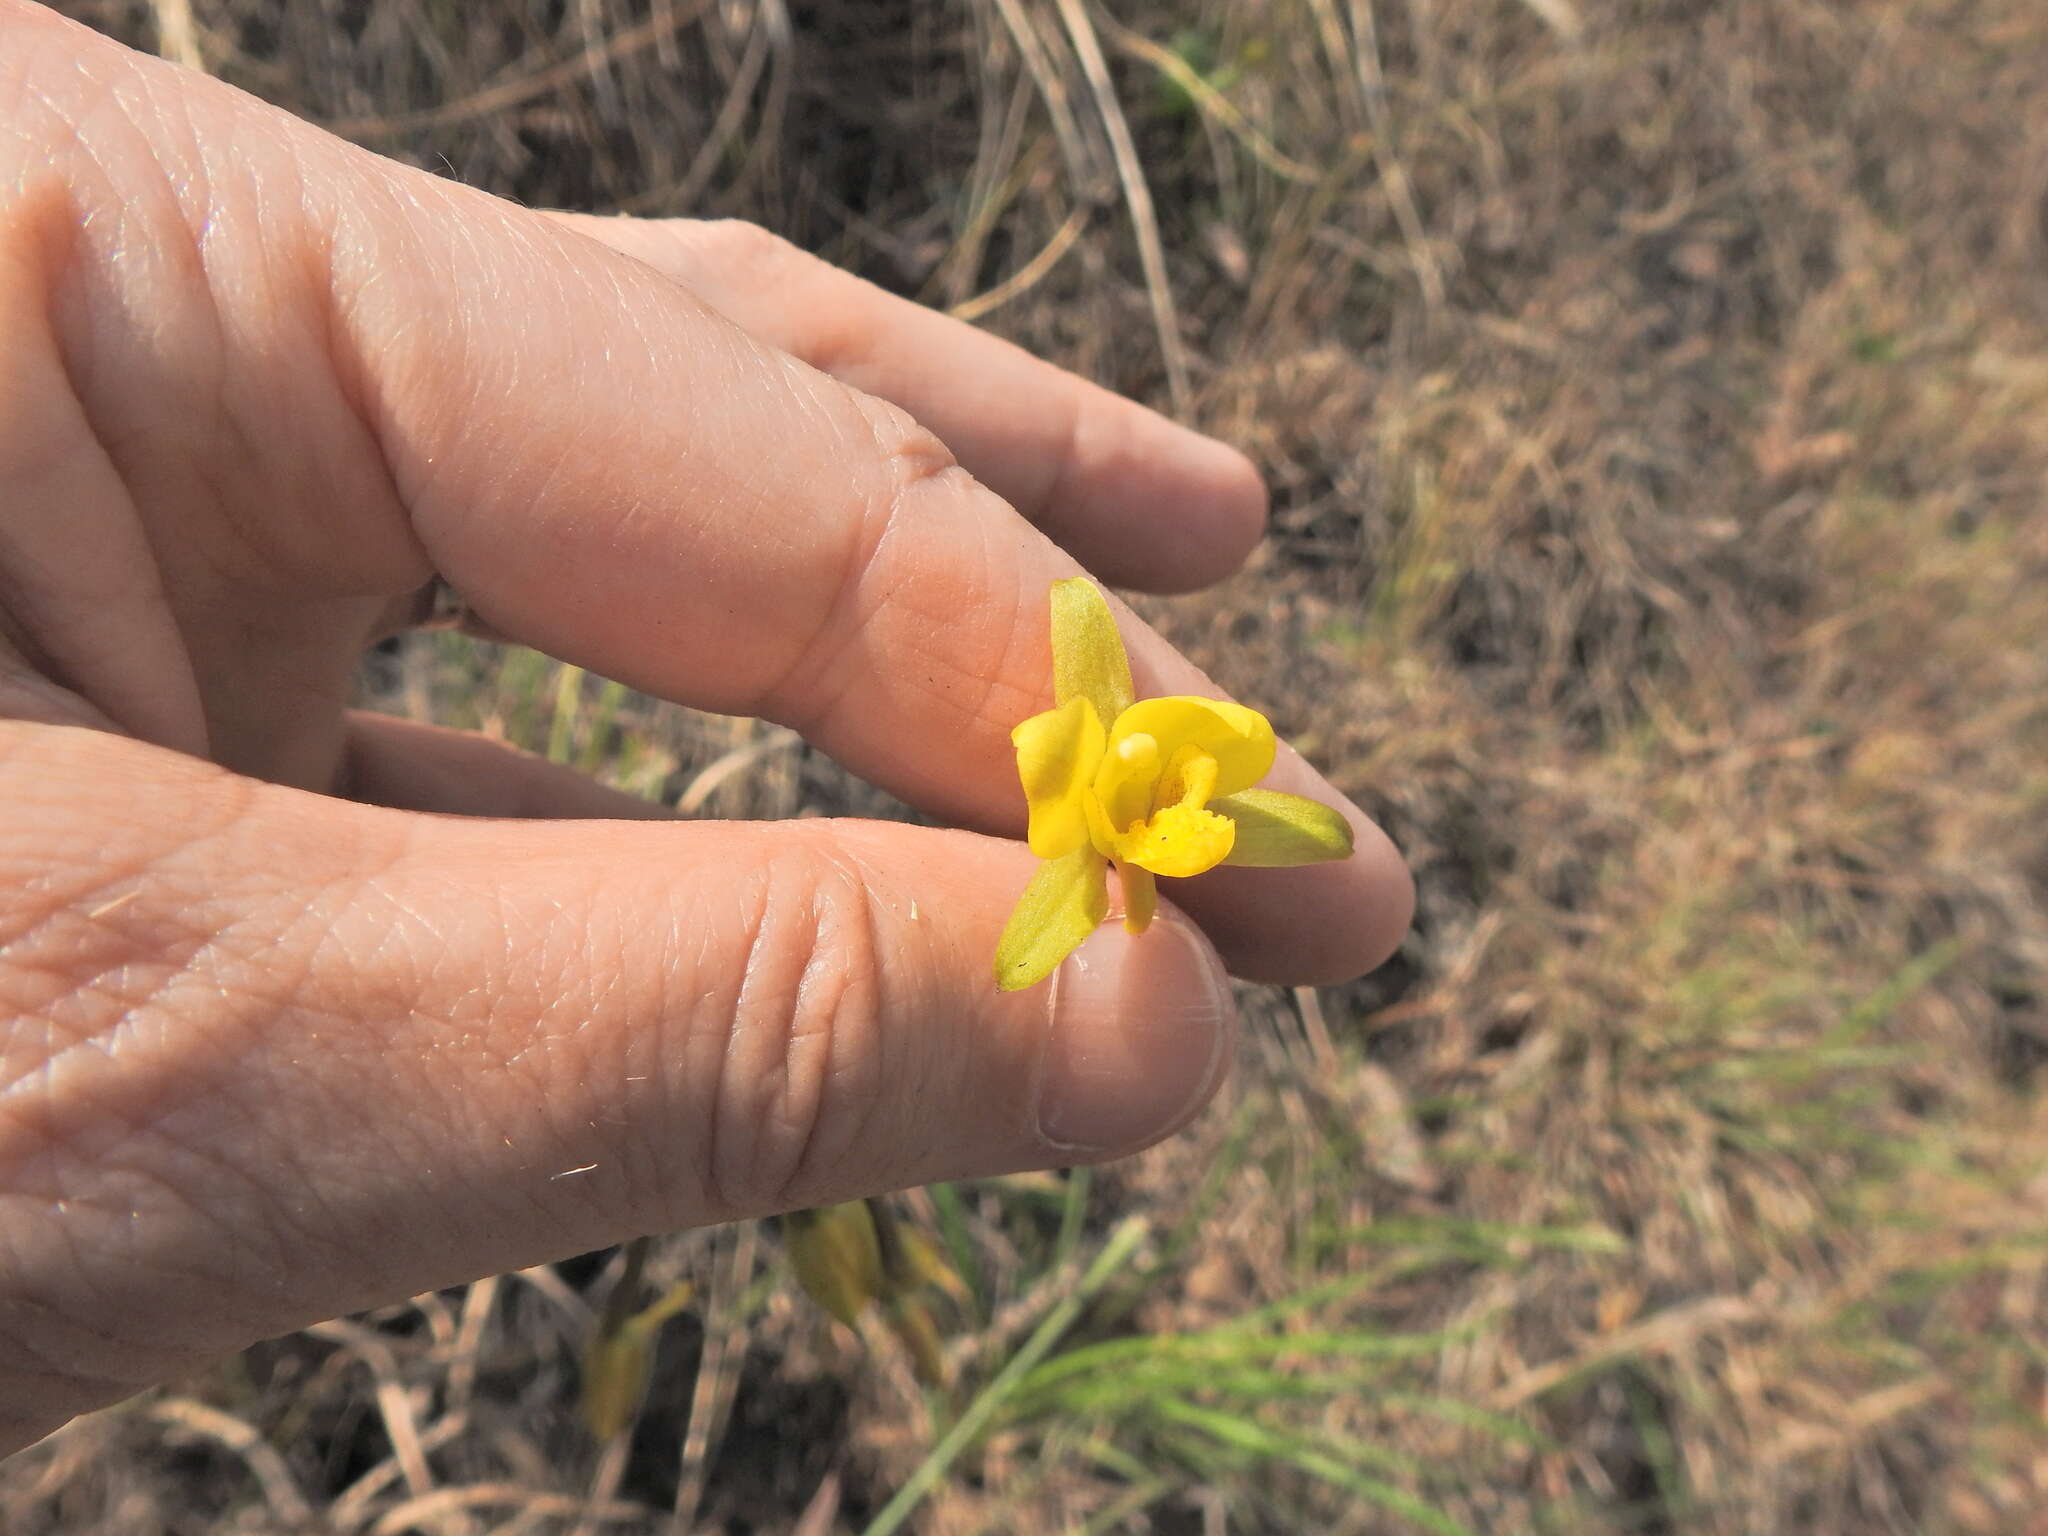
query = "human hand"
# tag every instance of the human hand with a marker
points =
(276, 1045)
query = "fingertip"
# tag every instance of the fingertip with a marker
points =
(1226, 512)
(1138, 1038)
(1153, 505)
(1314, 925)
(1388, 912)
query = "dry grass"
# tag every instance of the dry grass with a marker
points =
(1656, 399)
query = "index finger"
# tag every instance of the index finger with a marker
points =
(1140, 500)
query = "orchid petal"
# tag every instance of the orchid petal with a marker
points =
(1057, 755)
(1238, 738)
(1123, 787)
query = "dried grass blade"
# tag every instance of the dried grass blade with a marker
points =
(1561, 16)
(280, 1489)
(1372, 86)
(427, 1510)
(394, 1406)
(1130, 172)
(1028, 276)
(494, 99)
(1211, 102)
(723, 767)
(1052, 90)
(718, 1375)
(770, 35)
(177, 33)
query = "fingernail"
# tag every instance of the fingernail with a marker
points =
(1140, 1023)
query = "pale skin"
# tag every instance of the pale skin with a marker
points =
(276, 1040)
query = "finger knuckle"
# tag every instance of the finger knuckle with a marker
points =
(747, 248)
(898, 493)
(798, 1082)
(909, 453)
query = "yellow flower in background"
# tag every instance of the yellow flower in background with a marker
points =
(1154, 786)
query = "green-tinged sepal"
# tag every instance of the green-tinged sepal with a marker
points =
(836, 1257)
(911, 1260)
(912, 1324)
(1064, 903)
(1088, 660)
(1276, 830)
(925, 1265)
(619, 1360)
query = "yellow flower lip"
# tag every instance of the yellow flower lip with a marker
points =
(1160, 786)
(1180, 837)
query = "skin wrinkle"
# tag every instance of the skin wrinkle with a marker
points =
(87, 887)
(755, 950)
(694, 1001)
(308, 931)
(858, 1056)
(188, 337)
(1021, 637)
(178, 265)
(101, 1308)
(565, 1047)
(285, 308)
(416, 1036)
(119, 577)
(352, 375)
(382, 351)
(809, 701)
(26, 1098)
(796, 696)
(652, 1178)
(144, 1138)
(121, 923)
(762, 1128)
(170, 1168)
(33, 1355)
(306, 1223)
(771, 1030)
(143, 1133)
(291, 168)
(253, 526)
(837, 992)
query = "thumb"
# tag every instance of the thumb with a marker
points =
(270, 1056)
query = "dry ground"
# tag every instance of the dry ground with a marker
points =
(1655, 396)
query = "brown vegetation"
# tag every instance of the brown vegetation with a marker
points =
(1655, 396)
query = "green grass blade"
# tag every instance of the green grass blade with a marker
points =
(1123, 1243)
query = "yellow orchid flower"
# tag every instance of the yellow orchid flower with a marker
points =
(1154, 786)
